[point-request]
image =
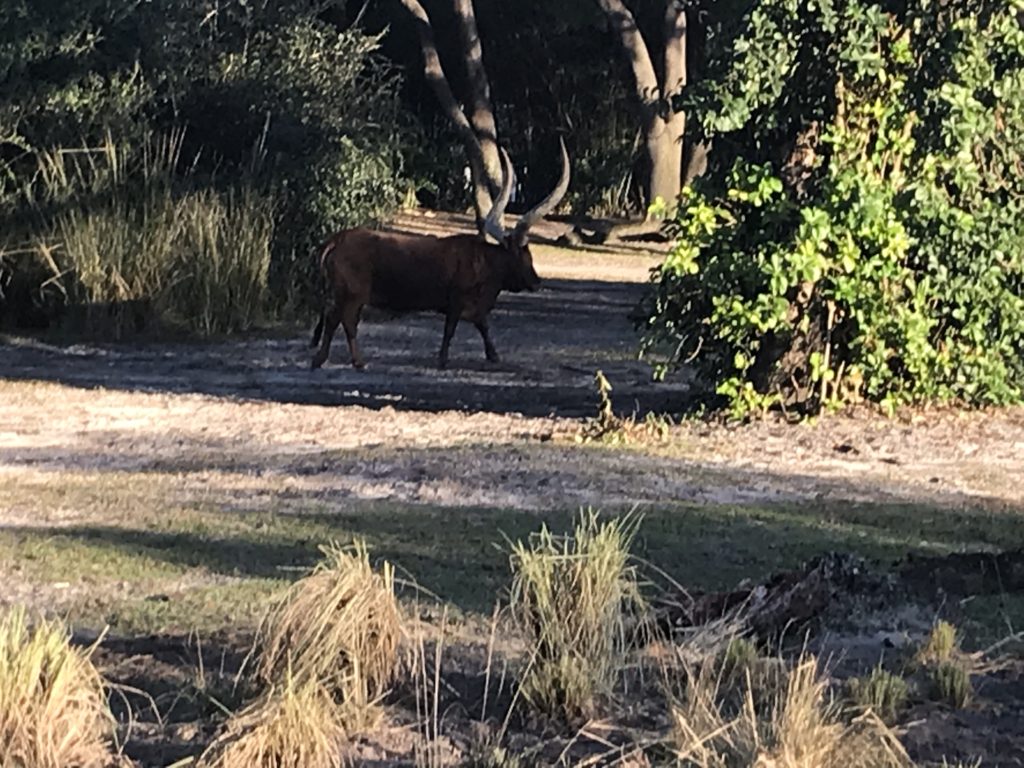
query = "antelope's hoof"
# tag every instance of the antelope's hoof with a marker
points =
(359, 365)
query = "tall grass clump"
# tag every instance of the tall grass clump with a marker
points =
(340, 627)
(53, 704)
(295, 725)
(791, 724)
(941, 645)
(950, 683)
(224, 261)
(946, 667)
(577, 600)
(128, 236)
(324, 656)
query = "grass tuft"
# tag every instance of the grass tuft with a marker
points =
(127, 240)
(947, 669)
(942, 645)
(951, 683)
(790, 725)
(53, 704)
(882, 692)
(575, 599)
(339, 626)
(294, 725)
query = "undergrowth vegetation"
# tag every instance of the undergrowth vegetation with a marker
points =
(186, 182)
(608, 428)
(119, 237)
(323, 659)
(577, 601)
(326, 666)
(786, 719)
(293, 725)
(881, 692)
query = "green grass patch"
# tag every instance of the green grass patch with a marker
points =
(238, 605)
(882, 692)
(154, 556)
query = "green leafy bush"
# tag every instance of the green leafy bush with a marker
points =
(861, 234)
(323, 108)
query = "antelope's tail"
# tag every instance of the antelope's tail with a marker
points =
(323, 263)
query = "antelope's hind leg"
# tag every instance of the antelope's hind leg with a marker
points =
(451, 322)
(329, 325)
(350, 321)
(318, 331)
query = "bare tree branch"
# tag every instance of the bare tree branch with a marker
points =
(633, 42)
(439, 82)
(481, 113)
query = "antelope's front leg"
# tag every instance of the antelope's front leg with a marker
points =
(451, 321)
(485, 334)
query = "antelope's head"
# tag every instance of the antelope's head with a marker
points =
(522, 276)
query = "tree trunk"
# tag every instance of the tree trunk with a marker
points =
(665, 156)
(666, 128)
(663, 126)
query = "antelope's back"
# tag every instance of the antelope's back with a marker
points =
(400, 272)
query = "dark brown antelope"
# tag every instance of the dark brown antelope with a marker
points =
(459, 276)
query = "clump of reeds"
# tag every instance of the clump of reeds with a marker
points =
(324, 655)
(577, 601)
(53, 703)
(781, 721)
(294, 725)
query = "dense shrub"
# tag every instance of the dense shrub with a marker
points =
(862, 231)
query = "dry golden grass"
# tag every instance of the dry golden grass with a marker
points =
(339, 626)
(325, 653)
(53, 704)
(296, 725)
(784, 720)
(575, 599)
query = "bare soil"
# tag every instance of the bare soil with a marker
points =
(242, 425)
